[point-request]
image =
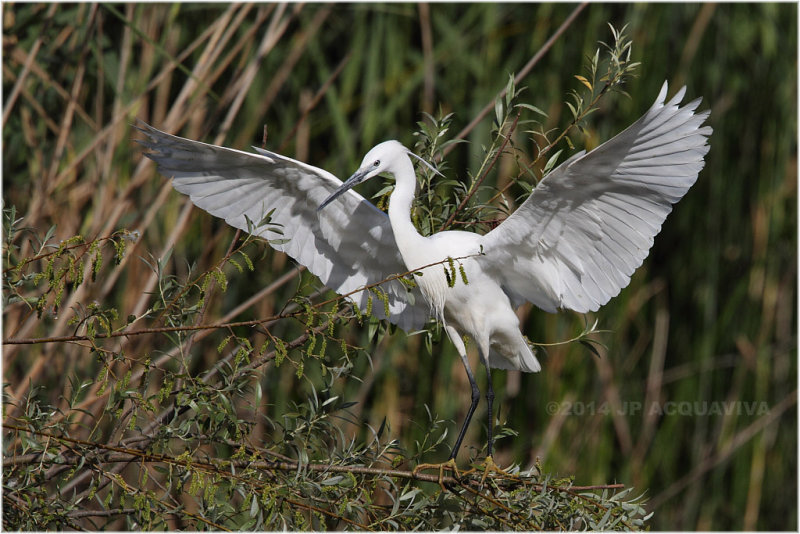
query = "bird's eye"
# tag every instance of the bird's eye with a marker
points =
(377, 162)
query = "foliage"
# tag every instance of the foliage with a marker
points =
(194, 430)
(163, 371)
(202, 472)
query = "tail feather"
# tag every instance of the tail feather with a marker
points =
(523, 360)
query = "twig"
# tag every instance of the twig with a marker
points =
(610, 83)
(483, 176)
(124, 454)
(78, 514)
(252, 322)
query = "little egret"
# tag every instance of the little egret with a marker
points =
(573, 244)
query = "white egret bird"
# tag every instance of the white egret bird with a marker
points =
(573, 244)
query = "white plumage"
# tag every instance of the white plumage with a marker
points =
(576, 241)
(349, 246)
(573, 244)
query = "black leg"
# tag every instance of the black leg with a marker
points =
(476, 395)
(489, 400)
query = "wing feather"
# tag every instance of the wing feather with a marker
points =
(348, 245)
(576, 241)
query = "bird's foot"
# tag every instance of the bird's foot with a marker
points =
(449, 465)
(490, 467)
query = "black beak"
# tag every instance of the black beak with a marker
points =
(357, 177)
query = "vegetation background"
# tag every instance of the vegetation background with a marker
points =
(708, 323)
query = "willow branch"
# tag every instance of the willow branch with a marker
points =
(124, 454)
(191, 328)
(524, 72)
(483, 176)
(610, 83)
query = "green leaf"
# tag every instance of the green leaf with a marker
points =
(531, 108)
(589, 346)
(572, 110)
(551, 162)
(498, 111)
(510, 92)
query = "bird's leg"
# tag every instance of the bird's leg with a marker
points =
(489, 401)
(451, 462)
(488, 464)
(476, 395)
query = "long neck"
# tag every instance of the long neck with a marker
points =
(405, 233)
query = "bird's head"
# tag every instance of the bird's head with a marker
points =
(385, 157)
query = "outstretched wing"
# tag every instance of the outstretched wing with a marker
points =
(348, 245)
(576, 241)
